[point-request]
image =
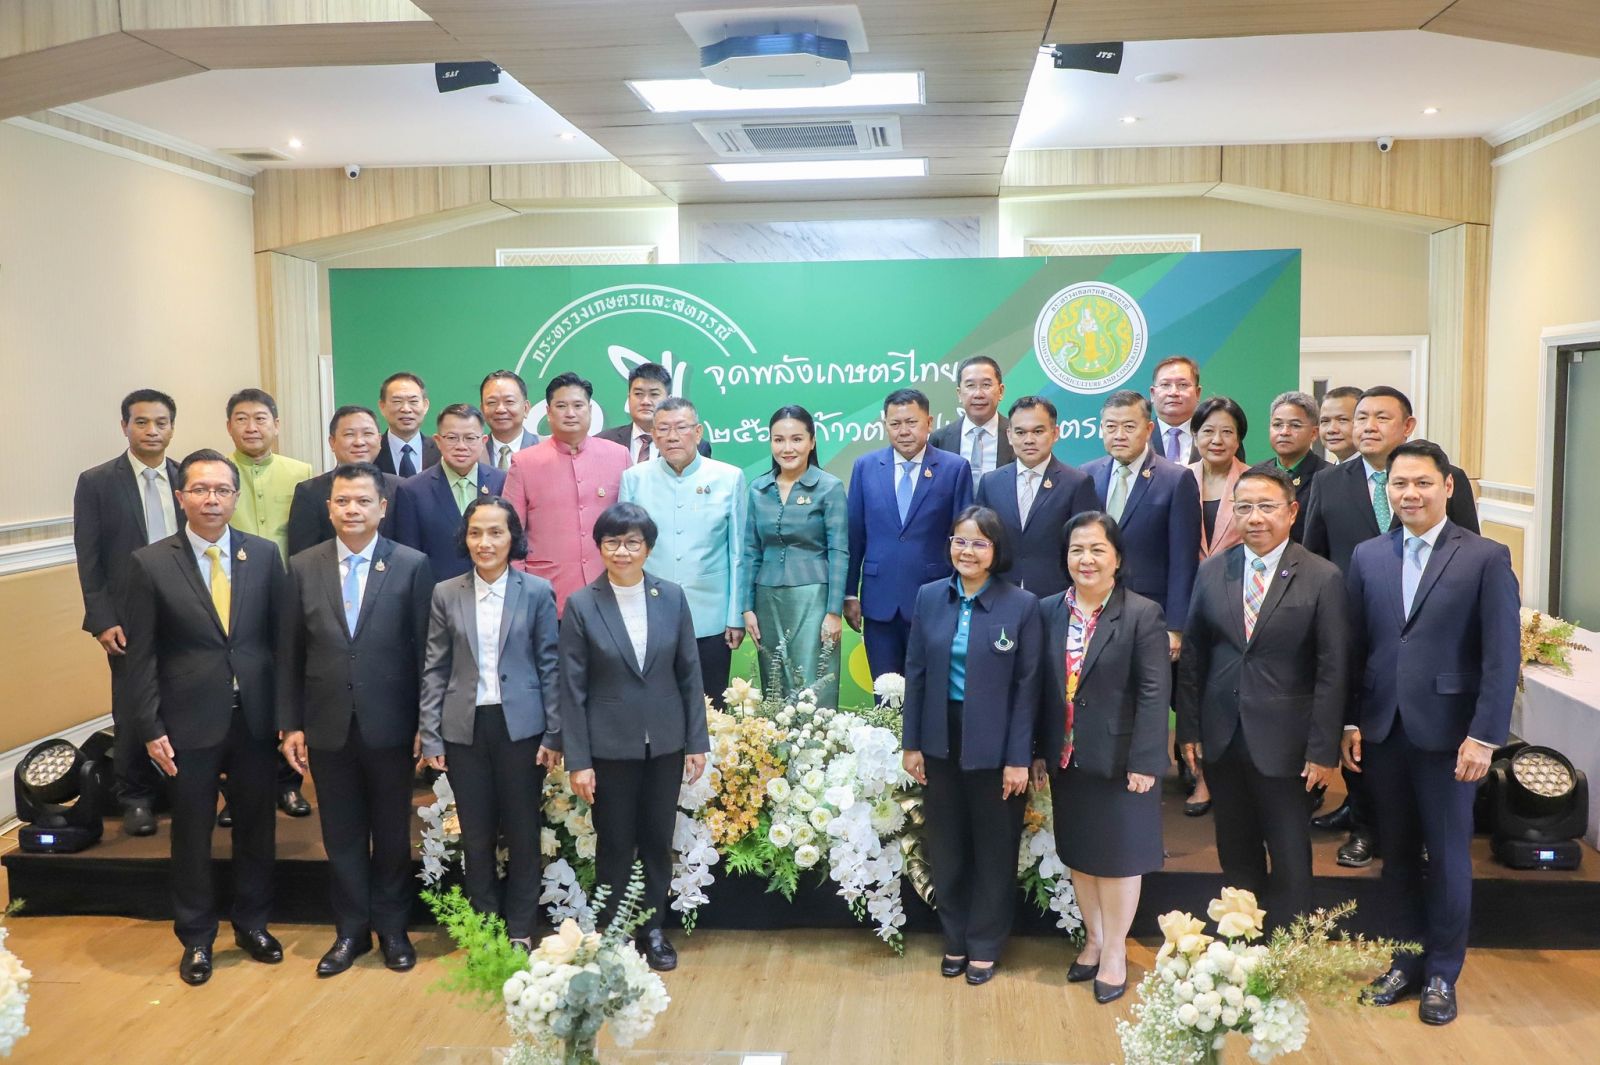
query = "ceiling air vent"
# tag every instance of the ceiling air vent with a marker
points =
(256, 155)
(752, 137)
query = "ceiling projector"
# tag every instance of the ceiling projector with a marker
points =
(776, 61)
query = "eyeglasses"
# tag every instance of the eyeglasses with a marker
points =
(460, 438)
(961, 543)
(199, 492)
(670, 431)
(632, 545)
(1267, 510)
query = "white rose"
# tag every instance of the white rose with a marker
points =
(778, 789)
(780, 835)
(814, 780)
(803, 834)
(820, 817)
(585, 846)
(1188, 1015)
(804, 801)
(807, 856)
(549, 846)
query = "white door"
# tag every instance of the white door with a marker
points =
(1365, 361)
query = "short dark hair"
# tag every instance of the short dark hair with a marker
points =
(901, 396)
(651, 371)
(1343, 392)
(1210, 406)
(147, 395)
(519, 536)
(356, 471)
(205, 454)
(978, 360)
(503, 375)
(347, 411)
(1106, 522)
(1268, 472)
(1304, 400)
(1421, 449)
(993, 529)
(1126, 397)
(253, 395)
(460, 410)
(1388, 392)
(619, 519)
(567, 380)
(795, 412)
(1034, 403)
(1173, 360)
(672, 403)
(403, 375)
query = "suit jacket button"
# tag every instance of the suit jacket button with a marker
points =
(504, 677)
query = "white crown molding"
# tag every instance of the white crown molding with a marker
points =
(75, 735)
(1548, 113)
(1546, 141)
(116, 124)
(35, 126)
(37, 554)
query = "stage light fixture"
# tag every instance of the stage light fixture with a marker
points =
(1538, 807)
(62, 792)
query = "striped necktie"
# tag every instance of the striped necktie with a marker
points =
(1255, 590)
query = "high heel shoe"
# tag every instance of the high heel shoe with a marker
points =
(1104, 993)
(952, 967)
(1077, 974)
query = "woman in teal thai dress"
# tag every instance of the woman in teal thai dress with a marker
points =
(796, 550)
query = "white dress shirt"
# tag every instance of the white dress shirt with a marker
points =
(365, 571)
(394, 443)
(989, 453)
(168, 503)
(900, 471)
(633, 443)
(495, 444)
(491, 599)
(1185, 440)
(630, 603)
(1271, 559)
(199, 544)
(1027, 493)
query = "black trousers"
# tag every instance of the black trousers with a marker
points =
(250, 763)
(1261, 820)
(716, 658)
(972, 836)
(885, 642)
(499, 786)
(364, 804)
(635, 811)
(138, 778)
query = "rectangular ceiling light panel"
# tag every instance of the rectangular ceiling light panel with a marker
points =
(821, 170)
(902, 89)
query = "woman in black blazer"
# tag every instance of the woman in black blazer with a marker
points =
(632, 720)
(972, 687)
(1102, 741)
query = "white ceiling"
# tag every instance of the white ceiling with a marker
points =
(1317, 87)
(373, 116)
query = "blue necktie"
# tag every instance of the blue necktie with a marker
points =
(1172, 446)
(1411, 574)
(352, 594)
(407, 467)
(904, 490)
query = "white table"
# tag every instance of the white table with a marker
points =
(1564, 712)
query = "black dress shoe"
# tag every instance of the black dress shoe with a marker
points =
(1196, 809)
(978, 975)
(1341, 820)
(225, 816)
(260, 944)
(1389, 988)
(1186, 778)
(398, 953)
(1315, 798)
(1077, 974)
(342, 955)
(1438, 1004)
(952, 967)
(1104, 993)
(139, 821)
(291, 802)
(195, 968)
(1357, 850)
(657, 951)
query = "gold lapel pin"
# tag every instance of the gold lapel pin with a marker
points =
(1296, 482)
(928, 474)
(1047, 484)
(802, 501)
(602, 492)
(379, 566)
(1147, 475)
(655, 591)
(241, 556)
(483, 489)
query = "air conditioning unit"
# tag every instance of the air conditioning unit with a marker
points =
(745, 138)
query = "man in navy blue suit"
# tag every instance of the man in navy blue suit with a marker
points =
(1157, 505)
(902, 503)
(428, 507)
(1436, 639)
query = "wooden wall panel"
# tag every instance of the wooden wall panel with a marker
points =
(53, 675)
(1559, 25)
(524, 185)
(1087, 21)
(1112, 166)
(1512, 536)
(187, 14)
(294, 207)
(1457, 302)
(31, 25)
(287, 319)
(1555, 125)
(81, 70)
(309, 46)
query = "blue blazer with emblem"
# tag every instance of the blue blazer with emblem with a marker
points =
(1449, 670)
(1005, 642)
(890, 561)
(1160, 532)
(427, 519)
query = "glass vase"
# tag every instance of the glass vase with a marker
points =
(580, 1051)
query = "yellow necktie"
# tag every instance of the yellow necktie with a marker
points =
(221, 593)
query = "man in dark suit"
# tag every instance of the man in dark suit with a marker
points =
(353, 437)
(1436, 639)
(1336, 420)
(980, 434)
(1157, 506)
(1261, 692)
(503, 396)
(648, 384)
(1175, 395)
(1294, 430)
(1350, 506)
(118, 507)
(1035, 496)
(429, 506)
(901, 504)
(403, 401)
(355, 626)
(202, 638)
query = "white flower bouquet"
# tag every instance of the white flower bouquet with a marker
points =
(14, 978)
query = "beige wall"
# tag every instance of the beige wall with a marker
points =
(1357, 278)
(1544, 270)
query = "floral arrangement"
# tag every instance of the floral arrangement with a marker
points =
(1546, 641)
(14, 978)
(1204, 987)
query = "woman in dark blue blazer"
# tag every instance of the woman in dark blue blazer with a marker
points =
(1103, 741)
(972, 687)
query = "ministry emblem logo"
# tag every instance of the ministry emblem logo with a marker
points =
(1090, 337)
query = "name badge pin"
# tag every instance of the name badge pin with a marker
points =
(379, 566)
(655, 591)
(1004, 643)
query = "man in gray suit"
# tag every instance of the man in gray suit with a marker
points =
(981, 435)
(503, 398)
(353, 631)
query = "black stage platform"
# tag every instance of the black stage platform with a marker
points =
(127, 876)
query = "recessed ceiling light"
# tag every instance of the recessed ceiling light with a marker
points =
(698, 94)
(294, 142)
(567, 135)
(511, 99)
(821, 169)
(1430, 110)
(1128, 120)
(1156, 77)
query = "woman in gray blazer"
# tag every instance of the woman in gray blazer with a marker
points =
(488, 708)
(633, 714)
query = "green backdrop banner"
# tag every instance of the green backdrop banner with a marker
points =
(743, 339)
